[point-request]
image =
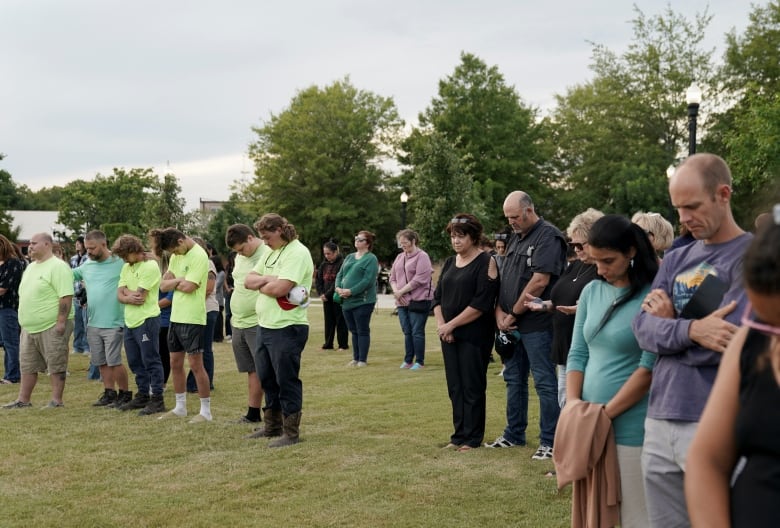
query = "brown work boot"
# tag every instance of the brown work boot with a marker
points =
(290, 431)
(273, 425)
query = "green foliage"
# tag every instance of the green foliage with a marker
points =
(486, 122)
(616, 134)
(747, 134)
(232, 212)
(118, 198)
(440, 186)
(116, 229)
(165, 204)
(318, 164)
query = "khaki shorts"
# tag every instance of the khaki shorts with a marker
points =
(45, 351)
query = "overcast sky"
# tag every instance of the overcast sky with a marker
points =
(87, 85)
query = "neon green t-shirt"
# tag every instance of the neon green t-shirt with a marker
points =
(101, 279)
(43, 285)
(243, 301)
(141, 275)
(291, 262)
(193, 266)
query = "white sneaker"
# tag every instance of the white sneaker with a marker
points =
(361, 364)
(543, 453)
(352, 363)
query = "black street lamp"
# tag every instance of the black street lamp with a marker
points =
(693, 97)
(404, 199)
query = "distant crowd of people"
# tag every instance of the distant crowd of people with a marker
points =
(655, 359)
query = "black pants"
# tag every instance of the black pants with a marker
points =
(278, 360)
(465, 367)
(335, 325)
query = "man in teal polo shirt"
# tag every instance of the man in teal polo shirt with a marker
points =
(106, 318)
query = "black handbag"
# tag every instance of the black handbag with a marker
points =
(419, 306)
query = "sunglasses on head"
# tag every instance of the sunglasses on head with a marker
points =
(359, 239)
(459, 220)
(500, 236)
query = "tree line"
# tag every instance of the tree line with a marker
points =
(337, 158)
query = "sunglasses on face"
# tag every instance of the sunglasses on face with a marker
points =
(755, 325)
(576, 246)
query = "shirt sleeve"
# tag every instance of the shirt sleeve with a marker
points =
(487, 288)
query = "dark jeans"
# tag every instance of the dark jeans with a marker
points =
(413, 327)
(278, 360)
(9, 335)
(142, 346)
(208, 353)
(165, 354)
(228, 315)
(335, 325)
(358, 320)
(465, 367)
(79, 327)
(532, 354)
(219, 326)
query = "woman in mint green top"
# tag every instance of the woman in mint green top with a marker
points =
(605, 363)
(356, 286)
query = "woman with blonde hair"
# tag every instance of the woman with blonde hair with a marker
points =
(658, 229)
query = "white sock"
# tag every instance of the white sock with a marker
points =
(205, 407)
(181, 404)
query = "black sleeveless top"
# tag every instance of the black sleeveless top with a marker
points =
(755, 497)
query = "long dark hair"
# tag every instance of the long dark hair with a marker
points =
(618, 233)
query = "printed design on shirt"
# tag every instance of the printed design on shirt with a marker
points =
(686, 283)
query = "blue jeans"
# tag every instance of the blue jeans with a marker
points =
(79, 328)
(358, 320)
(142, 346)
(208, 352)
(413, 327)
(532, 354)
(9, 334)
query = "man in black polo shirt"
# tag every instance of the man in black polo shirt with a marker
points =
(535, 257)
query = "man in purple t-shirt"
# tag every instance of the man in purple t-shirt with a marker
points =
(688, 319)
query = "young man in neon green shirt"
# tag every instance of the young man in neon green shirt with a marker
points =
(249, 251)
(187, 277)
(139, 287)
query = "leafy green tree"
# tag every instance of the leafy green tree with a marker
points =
(747, 132)
(616, 134)
(318, 163)
(165, 204)
(485, 120)
(440, 187)
(232, 212)
(118, 198)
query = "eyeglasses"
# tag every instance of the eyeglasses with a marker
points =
(459, 221)
(576, 246)
(359, 239)
(755, 325)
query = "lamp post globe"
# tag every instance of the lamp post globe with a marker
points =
(693, 98)
(404, 199)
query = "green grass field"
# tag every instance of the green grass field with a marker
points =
(370, 454)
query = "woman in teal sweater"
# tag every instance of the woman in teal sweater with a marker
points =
(605, 363)
(356, 286)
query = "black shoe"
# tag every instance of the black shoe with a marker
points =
(121, 398)
(139, 402)
(109, 396)
(155, 405)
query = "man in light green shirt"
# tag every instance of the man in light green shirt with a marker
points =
(284, 327)
(187, 277)
(46, 318)
(249, 251)
(139, 287)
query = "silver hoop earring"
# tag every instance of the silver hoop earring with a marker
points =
(631, 263)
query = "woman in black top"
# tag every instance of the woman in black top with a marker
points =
(464, 303)
(12, 265)
(566, 292)
(738, 438)
(335, 325)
